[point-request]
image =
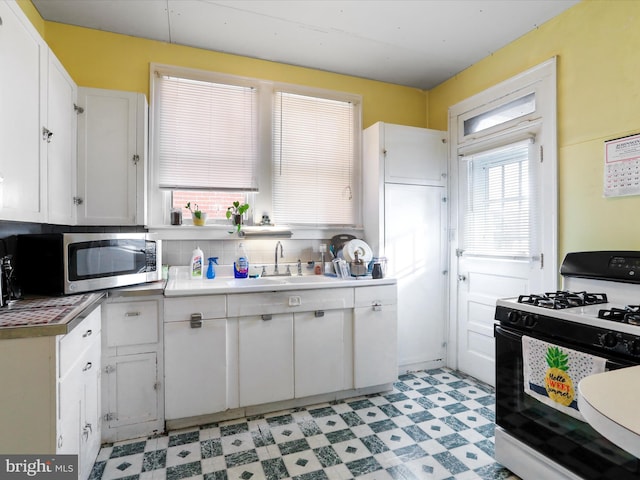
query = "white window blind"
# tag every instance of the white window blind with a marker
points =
(498, 219)
(313, 160)
(208, 135)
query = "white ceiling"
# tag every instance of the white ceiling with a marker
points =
(418, 43)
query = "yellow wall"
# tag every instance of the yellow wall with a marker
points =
(106, 60)
(597, 43)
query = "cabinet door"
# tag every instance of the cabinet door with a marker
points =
(414, 155)
(90, 409)
(132, 393)
(23, 57)
(319, 352)
(195, 368)
(265, 358)
(375, 345)
(111, 157)
(61, 147)
(70, 393)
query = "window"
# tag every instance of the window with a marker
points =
(313, 154)
(498, 210)
(292, 152)
(504, 113)
(207, 134)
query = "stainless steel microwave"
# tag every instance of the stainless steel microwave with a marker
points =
(68, 263)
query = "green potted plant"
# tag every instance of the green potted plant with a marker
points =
(198, 216)
(235, 212)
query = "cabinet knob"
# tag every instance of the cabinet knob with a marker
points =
(267, 317)
(87, 366)
(87, 333)
(377, 306)
(319, 313)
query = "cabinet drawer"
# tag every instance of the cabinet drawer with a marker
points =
(131, 323)
(73, 344)
(181, 308)
(381, 294)
(244, 304)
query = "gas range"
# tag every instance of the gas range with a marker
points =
(595, 314)
(597, 306)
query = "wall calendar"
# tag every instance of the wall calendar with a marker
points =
(622, 166)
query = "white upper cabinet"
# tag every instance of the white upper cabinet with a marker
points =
(413, 155)
(61, 127)
(112, 157)
(37, 126)
(23, 63)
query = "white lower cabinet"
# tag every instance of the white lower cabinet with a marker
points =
(375, 334)
(132, 387)
(131, 390)
(319, 351)
(195, 333)
(234, 351)
(78, 405)
(265, 362)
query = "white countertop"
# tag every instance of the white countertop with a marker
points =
(179, 283)
(609, 402)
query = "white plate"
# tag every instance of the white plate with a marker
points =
(351, 247)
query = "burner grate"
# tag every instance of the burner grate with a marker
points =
(629, 314)
(563, 299)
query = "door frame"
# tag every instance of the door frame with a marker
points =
(543, 76)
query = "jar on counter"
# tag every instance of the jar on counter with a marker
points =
(176, 216)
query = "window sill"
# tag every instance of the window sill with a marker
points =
(225, 232)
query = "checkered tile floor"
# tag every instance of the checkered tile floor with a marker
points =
(435, 424)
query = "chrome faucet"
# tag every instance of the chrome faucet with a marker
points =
(275, 269)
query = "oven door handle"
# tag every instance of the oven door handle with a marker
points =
(509, 335)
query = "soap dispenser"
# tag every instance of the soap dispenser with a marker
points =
(211, 273)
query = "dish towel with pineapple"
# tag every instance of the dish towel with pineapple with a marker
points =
(552, 373)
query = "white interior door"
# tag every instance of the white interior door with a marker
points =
(503, 183)
(498, 252)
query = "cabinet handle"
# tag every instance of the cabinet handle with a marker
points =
(132, 314)
(46, 134)
(319, 313)
(87, 366)
(266, 317)
(196, 320)
(60, 442)
(87, 333)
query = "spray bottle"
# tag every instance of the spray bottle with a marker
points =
(211, 273)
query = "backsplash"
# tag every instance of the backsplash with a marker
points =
(259, 251)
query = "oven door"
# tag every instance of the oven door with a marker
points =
(561, 438)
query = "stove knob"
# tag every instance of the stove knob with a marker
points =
(529, 320)
(609, 340)
(513, 317)
(633, 347)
